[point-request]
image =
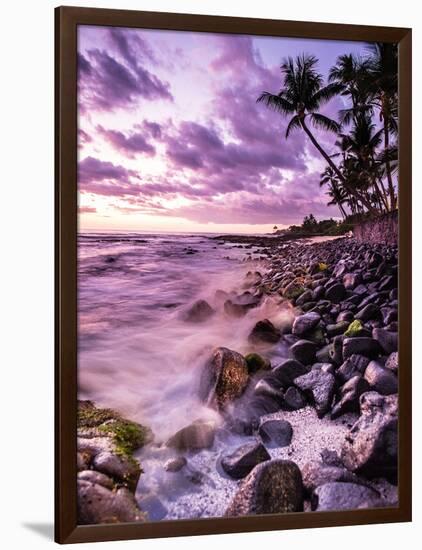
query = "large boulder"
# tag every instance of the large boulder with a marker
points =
(381, 379)
(344, 496)
(349, 396)
(305, 323)
(288, 370)
(96, 477)
(119, 467)
(351, 280)
(371, 446)
(244, 459)
(198, 435)
(316, 473)
(307, 296)
(360, 346)
(106, 442)
(268, 387)
(294, 399)
(275, 431)
(320, 386)
(370, 311)
(264, 332)
(335, 292)
(152, 505)
(99, 504)
(388, 340)
(234, 309)
(304, 351)
(335, 329)
(250, 412)
(224, 378)
(199, 312)
(354, 365)
(273, 487)
(294, 289)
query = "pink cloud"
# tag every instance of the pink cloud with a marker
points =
(130, 145)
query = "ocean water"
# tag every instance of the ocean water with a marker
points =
(136, 353)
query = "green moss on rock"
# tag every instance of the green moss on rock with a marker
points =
(127, 436)
(256, 362)
(89, 416)
(294, 289)
(353, 329)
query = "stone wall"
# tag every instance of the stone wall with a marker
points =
(383, 229)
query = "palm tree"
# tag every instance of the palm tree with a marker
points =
(384, 86)
(364, 169)
(351, 73)
(336, 192)
(302, 95)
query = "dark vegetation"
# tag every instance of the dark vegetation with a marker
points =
(361, 173)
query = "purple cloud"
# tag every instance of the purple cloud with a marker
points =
(130, 145)
(131, 46)
(106, 84)
(152, 128)
(91, 170)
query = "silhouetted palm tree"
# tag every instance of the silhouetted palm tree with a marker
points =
(336, 192)
(384, 87)
(363, 168)
(302, 95)
(351, 74)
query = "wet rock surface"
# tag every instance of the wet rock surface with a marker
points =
(264, 331)
(198, 435)
(199, 312)
(224, 378)
(371, 446)
(244, 459)
(105, 488)
(275, 431)
(274, 487)
(320, 386)
(344, 496)
(98, 504)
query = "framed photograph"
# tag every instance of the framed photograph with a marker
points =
(233, 274)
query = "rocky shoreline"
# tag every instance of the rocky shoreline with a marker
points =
(340, 370)
(107, 471)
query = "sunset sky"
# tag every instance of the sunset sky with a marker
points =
(171, 137)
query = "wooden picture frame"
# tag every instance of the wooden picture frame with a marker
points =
(67, 20)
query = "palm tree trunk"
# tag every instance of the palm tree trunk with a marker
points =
(383, 192)
(334, 167)
(388, 167)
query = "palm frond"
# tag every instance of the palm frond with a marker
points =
(324, 123)
(323, 95)
(294, 124)
(276, 102)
